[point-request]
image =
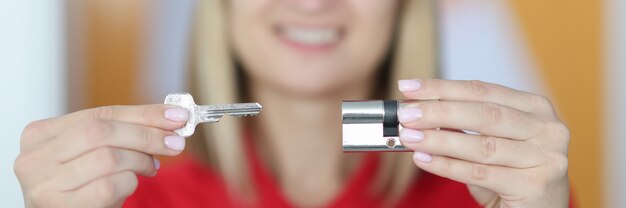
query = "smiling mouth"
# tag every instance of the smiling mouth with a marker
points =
(310, 38)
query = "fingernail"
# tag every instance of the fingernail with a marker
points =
(410, 114)
(177, 114)
(157, 163)
(409, 85)
(422, 157)
(175, 142)
(410, 135)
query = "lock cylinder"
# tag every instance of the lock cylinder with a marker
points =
(371, 125)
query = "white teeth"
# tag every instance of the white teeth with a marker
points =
(311, 36)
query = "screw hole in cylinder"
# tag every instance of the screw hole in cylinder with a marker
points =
(391, 143)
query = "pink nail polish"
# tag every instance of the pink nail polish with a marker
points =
(410, 114)
(411, 135)
(177, 114)
(422, 157)
(175, 142)
(409, 85)
(157, 164)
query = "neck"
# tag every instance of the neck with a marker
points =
(300, 141)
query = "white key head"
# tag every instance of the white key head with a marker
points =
(184, 100)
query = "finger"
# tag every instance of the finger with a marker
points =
(33, 168)
(484, 197)
(498, 179)
(102, 162)
(100, 133)
(161, 116)
(484, 118)
(104, 192)
(475, 148)
(477, 91)
(36, 133)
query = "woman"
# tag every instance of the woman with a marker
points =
(300, 58)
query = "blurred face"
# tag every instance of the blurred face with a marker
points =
(311, 47)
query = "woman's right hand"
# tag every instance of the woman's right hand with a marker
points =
(89, 158)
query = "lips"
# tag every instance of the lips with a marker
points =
(310, 36)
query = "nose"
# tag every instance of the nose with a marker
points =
(311, 6)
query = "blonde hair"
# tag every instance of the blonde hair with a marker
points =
(215, 80)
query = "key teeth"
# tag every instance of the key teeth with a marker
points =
(243, 115)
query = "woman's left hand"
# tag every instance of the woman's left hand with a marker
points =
(518, 160)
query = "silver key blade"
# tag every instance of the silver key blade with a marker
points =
(237, 109)
(208, 113)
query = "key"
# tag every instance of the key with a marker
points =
(208, 113)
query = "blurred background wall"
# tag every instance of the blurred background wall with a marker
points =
(32, 80)
(76, 54)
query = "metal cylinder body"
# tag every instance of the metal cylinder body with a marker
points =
(372, 125)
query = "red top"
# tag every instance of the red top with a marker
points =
(189, 183)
